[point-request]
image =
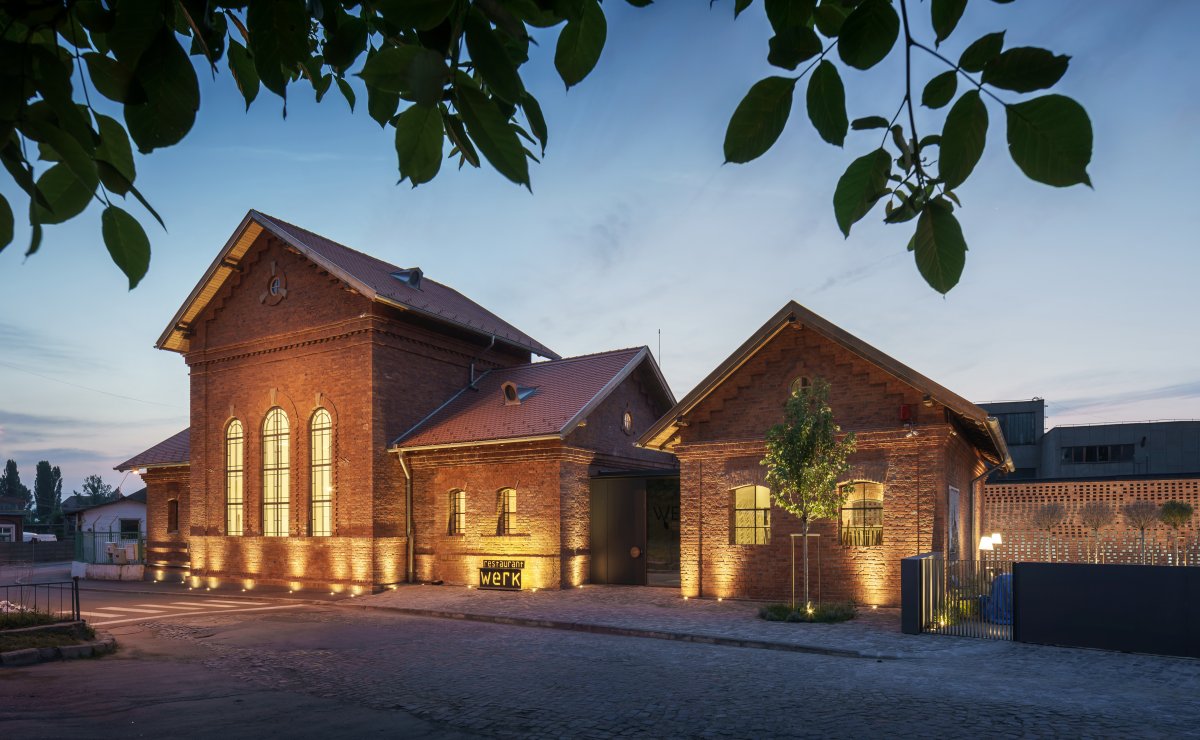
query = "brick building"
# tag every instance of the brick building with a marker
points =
(921, 456)
(355, 424)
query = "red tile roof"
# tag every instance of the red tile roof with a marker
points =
(563, 393)
(432, 298)
(174, 450)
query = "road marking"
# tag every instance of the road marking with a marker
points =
(128, 609)
(201, 604)
(100, 614)
(159, 606)
(197, 614)
(237, 603)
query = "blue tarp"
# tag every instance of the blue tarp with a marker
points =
(998, 606)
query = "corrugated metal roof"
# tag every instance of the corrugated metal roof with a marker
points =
(174, 450)
(563, 393)
(369, 275)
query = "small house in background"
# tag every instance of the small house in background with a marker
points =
(110, 539)
(12, 519)
(922, 454)
(124, 518)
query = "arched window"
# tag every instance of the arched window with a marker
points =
(861, 523)
(234, 501)
(275, 473)
(173, 515)
(321, 466)
(751, 515)
(458, 512)
(506, 507)
(800, 385)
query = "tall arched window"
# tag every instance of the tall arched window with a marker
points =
(506, 507)
(861, 523)
(751, 515)
(275, 474)
(234, 447)
(458, 512)
(321, 464)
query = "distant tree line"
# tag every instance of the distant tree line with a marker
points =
(43, 504)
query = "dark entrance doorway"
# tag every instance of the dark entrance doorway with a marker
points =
(635, 529)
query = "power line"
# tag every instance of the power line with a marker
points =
(86, 388)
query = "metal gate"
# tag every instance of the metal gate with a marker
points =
(966, 598)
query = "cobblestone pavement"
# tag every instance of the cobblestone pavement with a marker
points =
(874, 633)
(509, 681)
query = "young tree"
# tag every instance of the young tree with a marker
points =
(455, 66)
(1045, 518)
(1095, 515)
(805, 460)
(1175, 514)
(11, 486)
(96, 491)
(1141, 515)
(47, 490)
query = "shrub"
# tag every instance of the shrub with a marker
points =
(832, 612)
(17, 619)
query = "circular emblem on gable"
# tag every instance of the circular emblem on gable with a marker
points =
(276, 288)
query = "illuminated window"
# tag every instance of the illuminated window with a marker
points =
(173, 515)
(627, 422)
(322, 473)
(751, 515)
(234, 447)
(458, 512)
(275, 474)
(800, 385)
(507, 506)
(861, 523)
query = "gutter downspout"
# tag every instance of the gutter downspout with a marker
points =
(471, 379)
(410, 567)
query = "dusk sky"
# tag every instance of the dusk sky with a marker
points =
(1084, 297)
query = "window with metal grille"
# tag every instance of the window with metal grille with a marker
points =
(861, 523)
(131, 529)
(507, 507)
(458, 512)
(275, 473)
(751, 515)
(234, 488)
(321, 468)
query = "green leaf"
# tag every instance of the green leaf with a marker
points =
(785, 14)
(827, 103)
(126, 242)
(69, 150)
(860, 187)
(407, 69)
(66, 194)
(963, 139)
(491, 60)
(739, 6)
(112, 179)
(490, 131)
(346, 43)
(419, 137)
(759, 119)
(172, 96)
(278, 40)
(793, 45)
(941, 251)
(945, 14)
(869, 122)
(1050, 139)
(111, 78)
(869, 33)
(1025, 69)
(537, 123)
(940, 90)
(114, 147)
(422, 15)
(6, 223)
(580, 44)
(983, 50)
(382, 105)
(829, 17)
(347, 91)
(135, 27)
(241, 66)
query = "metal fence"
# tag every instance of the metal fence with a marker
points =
(25, 602)
(966, 598)
(113, 547)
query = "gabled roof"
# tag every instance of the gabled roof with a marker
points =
(137, 497)
(981, 430)
(369, 276)
(555, 397)
(172, 451)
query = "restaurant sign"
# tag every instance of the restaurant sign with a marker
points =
(504, 575)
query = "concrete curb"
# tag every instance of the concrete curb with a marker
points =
(103, 645)
(602, 629)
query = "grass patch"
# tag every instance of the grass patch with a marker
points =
(837, 611)
(37, 640)
(17, 620)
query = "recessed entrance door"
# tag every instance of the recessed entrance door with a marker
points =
(618, 531)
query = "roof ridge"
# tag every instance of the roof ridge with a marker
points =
(334, 242)
(562, 360)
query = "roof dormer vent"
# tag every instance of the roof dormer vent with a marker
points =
(410, 277)
(515, 394)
